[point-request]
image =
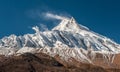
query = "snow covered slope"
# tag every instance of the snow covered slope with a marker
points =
(68, 39)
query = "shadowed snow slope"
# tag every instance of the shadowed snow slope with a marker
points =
(68, 39)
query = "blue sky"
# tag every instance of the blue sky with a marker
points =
(101, 16)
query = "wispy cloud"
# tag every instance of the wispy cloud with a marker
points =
(43, 27)
(49, 15)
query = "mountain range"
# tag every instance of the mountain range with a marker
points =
(70, 44)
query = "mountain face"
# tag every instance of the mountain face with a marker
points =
(68, 41)
(43, 63)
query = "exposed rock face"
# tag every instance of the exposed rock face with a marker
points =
(42, 63)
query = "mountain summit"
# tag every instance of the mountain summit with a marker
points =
(69, 25)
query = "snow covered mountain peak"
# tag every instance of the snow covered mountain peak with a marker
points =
(69, 25)
(68, 37)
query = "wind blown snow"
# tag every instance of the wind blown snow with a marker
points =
(55, 16)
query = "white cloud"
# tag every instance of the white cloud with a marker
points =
(54, 16)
